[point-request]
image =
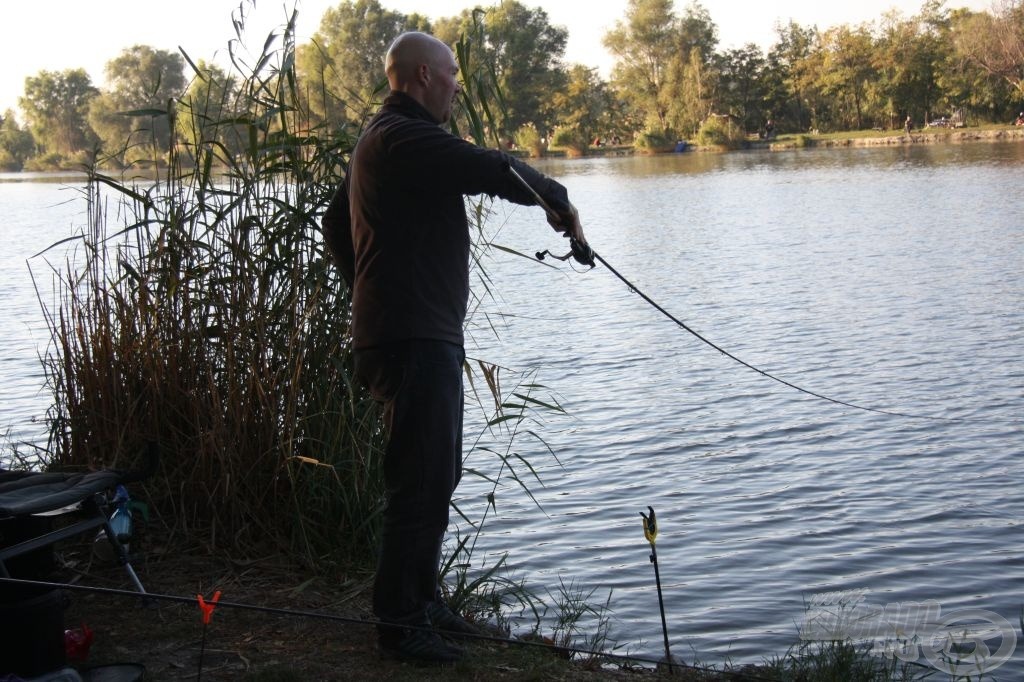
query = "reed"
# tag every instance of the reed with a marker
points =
(202, 313)
(842, 660)
(211, 323)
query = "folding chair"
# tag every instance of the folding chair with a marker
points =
(26, 496)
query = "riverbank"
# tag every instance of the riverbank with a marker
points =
(791, 141)
(926, 136)
(264, 629)
(785, 142)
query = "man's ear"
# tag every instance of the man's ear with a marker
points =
(423, 74)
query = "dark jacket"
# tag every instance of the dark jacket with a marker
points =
(397, 226)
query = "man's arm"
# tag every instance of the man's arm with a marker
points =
(337, 229)
(554, 195)
(429, 157)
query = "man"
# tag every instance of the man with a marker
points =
(397, 229)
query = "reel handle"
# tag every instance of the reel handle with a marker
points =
(581, 253)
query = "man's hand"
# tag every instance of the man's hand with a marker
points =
(568, 223)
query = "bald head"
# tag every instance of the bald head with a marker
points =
(424, 68)
(408, 52)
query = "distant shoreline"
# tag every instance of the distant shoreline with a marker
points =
(792, 141)
(785, 142)
(918, 137)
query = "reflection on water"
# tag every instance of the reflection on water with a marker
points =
(61, 177)
(858, 159)
(885, 277)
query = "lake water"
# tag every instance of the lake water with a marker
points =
(888, 278)
(38, 210)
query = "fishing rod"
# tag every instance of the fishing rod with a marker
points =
(584, 254)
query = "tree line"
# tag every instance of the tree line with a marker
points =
(669, 81)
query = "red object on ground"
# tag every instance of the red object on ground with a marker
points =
(207, 608)
(77, 642)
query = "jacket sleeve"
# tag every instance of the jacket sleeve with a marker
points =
(552, 192)
(430, 155)
(337, 229)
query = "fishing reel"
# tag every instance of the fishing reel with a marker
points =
(580, 252)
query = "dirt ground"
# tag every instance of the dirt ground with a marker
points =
(168, 638)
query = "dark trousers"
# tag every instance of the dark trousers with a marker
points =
(419, 383)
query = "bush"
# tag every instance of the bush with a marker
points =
(651, 141)
(45, 162)
(8, 163)
(722, 132)
(529, 138)
(571, 139)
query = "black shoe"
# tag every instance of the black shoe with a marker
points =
(448, 622)
(417, 646)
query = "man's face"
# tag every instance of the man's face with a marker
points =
(444, 85)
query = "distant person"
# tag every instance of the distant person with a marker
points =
(1020, 119)
(769, 129)
(397, 230)
(907, 125)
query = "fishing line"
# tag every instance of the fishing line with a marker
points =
(698, 335)
(585, 255)
(322, 615)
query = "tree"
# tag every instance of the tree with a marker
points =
(742, 85)
(995, 44)
(789, 89)
(523, 53)
(56, 107)
(848, 72)
(688, 96)
(131, 116)
(963, 81)
(697, 31)
(645, 45)
(342, 68)
(691, 87)
(15, 144)
(527, 52)
(664, 68)
(582, 106)
(907, 57)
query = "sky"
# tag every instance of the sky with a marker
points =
(55, 35)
